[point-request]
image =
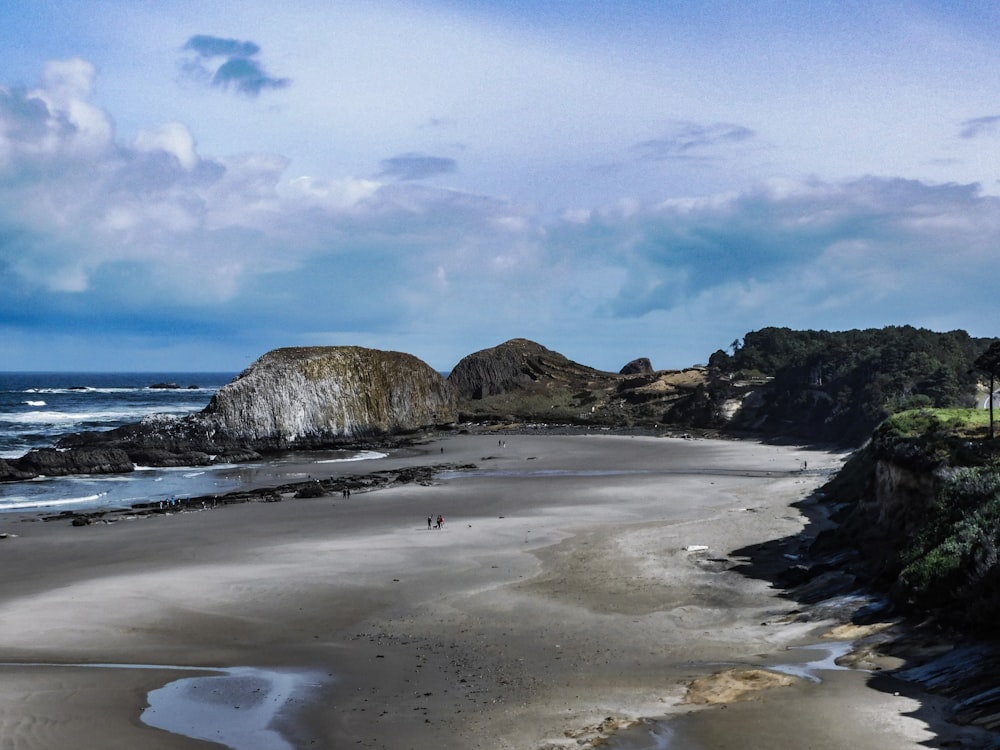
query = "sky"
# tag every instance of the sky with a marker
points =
(185, 186)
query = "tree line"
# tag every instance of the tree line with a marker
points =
(837, 386)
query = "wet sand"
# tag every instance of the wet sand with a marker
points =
(579, 584)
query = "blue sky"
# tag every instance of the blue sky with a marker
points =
(188, 185)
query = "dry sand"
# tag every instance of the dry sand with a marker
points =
(579, 584)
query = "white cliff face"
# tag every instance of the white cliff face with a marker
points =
(310, 394)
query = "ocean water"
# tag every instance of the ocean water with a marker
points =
(38, 408)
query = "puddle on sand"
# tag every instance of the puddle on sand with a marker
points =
(235, 708)
(232, 706)
(809, 669)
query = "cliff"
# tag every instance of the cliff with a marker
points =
(921, 505)
(292, 398)
(313, 395)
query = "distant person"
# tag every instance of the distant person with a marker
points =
(440, 522)
(428, 522)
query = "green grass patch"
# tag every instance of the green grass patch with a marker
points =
(960, 423)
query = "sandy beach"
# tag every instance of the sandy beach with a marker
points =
(579, 586)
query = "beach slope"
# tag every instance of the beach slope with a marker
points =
(579, 584)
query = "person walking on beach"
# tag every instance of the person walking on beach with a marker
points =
(440, 522)
(428, 522)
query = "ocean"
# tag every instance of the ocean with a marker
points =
(38, 408)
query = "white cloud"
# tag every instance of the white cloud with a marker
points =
(172, 138)
(147, 206)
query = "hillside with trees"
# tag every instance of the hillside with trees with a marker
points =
(838, 386)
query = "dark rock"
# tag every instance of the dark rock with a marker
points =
(165, 458)
(10, 473)
(313, 489)
(165, 386)
(517, 364)
(237, 456)
(52, 462)
(640, 366)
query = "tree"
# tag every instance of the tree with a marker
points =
(989, 361)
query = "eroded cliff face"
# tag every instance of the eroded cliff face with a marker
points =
(895, 484)
(308, 395)
(898, 489)
(294, 398)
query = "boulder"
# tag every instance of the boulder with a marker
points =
(310, 490)
(640, 366)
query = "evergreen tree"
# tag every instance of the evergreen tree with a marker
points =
(989, 361)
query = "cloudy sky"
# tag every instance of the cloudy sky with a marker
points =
(187, 185)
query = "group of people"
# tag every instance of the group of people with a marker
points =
(440, 522)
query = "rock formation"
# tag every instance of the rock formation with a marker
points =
(293, 398)
(314, 395)
(10, 473)
(517, 365)
(640, 366)
(57, 463)
(520, 380)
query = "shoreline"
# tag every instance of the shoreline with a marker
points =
(550, 611)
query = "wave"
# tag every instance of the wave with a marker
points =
(92, 417)
(35, 403)
(360, 456)
(144, 389)
(27, 503)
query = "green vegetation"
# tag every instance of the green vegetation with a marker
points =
(838, 386)
(963, 424)
(928, 523)
(952, 561)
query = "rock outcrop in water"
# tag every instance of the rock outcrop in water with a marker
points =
(58, 463)
(293, 399)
